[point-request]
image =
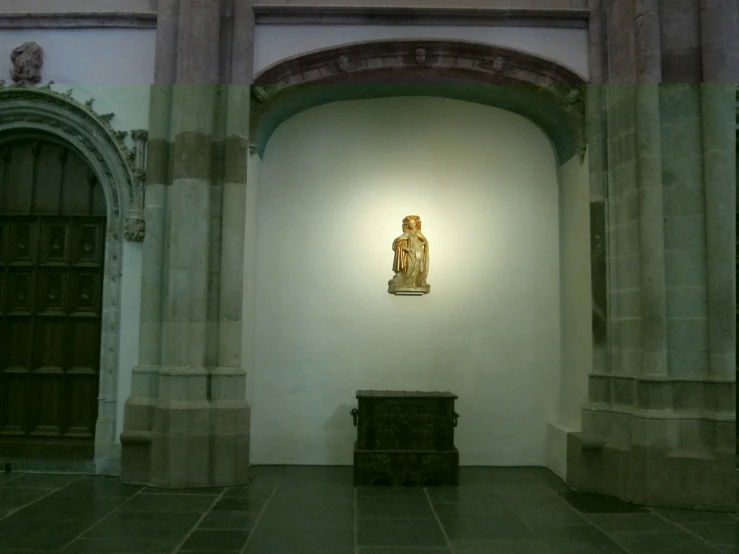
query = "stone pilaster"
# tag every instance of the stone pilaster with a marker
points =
(659, 427)
(187, 420)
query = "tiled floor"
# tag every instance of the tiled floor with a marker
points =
(316, 510)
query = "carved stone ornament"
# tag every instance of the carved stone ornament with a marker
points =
(27, 60)
(411, 261)
(135, 229)
(343, 63)
(420, 55)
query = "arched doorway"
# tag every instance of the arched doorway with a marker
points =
(52, 241)
(50, 117)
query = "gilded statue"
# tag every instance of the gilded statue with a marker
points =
(411, 263)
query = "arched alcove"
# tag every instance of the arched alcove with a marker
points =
(542, 91)
(44, 112)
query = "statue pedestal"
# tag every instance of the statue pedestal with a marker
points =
(409, 291)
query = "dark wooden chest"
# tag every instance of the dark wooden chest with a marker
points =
(405, 438)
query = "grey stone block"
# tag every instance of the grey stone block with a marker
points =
(685, 268)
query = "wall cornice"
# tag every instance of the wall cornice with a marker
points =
(81, 20)
(379, 15)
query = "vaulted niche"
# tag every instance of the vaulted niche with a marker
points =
(495, 168)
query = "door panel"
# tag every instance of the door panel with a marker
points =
(47, 394)
(14, 405)
(52, 233)
(80, 414)
(50, 168)
(49, 346)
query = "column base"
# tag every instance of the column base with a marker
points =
(653, 476)
(191, 444)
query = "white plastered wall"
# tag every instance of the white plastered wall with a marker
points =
(115, 67)
(334, 184)
(273, 43)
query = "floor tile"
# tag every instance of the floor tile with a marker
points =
(209, 552)
(468, 494)
(318, 496)
(42, 481)
(545, 511)
(694, 516)
(11, 497)
(171, 503)
(98, 486)
(632, 523)
(663, 543)
(216, 540)
(303, 514)
(252, 505)
(497, 526)
(723, 534)
(23, 551)
(407, 492)
(212, 491)
(393, 507)
(229, 520)
(39, 534)
(470, 508)
(128, 545)
(301, 540)
(251, 491)
(527, 489)
(600, 504)
(399, 532)
(496, 476)
(499, 546)
(577, 540)
(487, 475)
(401, 550)
(88, 509)
(143, 525)
(312, 476)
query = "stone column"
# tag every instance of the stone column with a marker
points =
(187, 421)
(653, 296)
(230, 411)
(139, 408)
(660, 426)
(719, 21)
(719, 177)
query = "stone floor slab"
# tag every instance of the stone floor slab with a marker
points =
(216, 540)
(316, 510)
(399, 532)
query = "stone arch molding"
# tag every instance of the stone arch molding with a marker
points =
(120, 171)
(540, 89)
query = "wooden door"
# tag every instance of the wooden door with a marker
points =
(52, 238)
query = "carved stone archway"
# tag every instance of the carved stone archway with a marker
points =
(542, 90)
(120, 171)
